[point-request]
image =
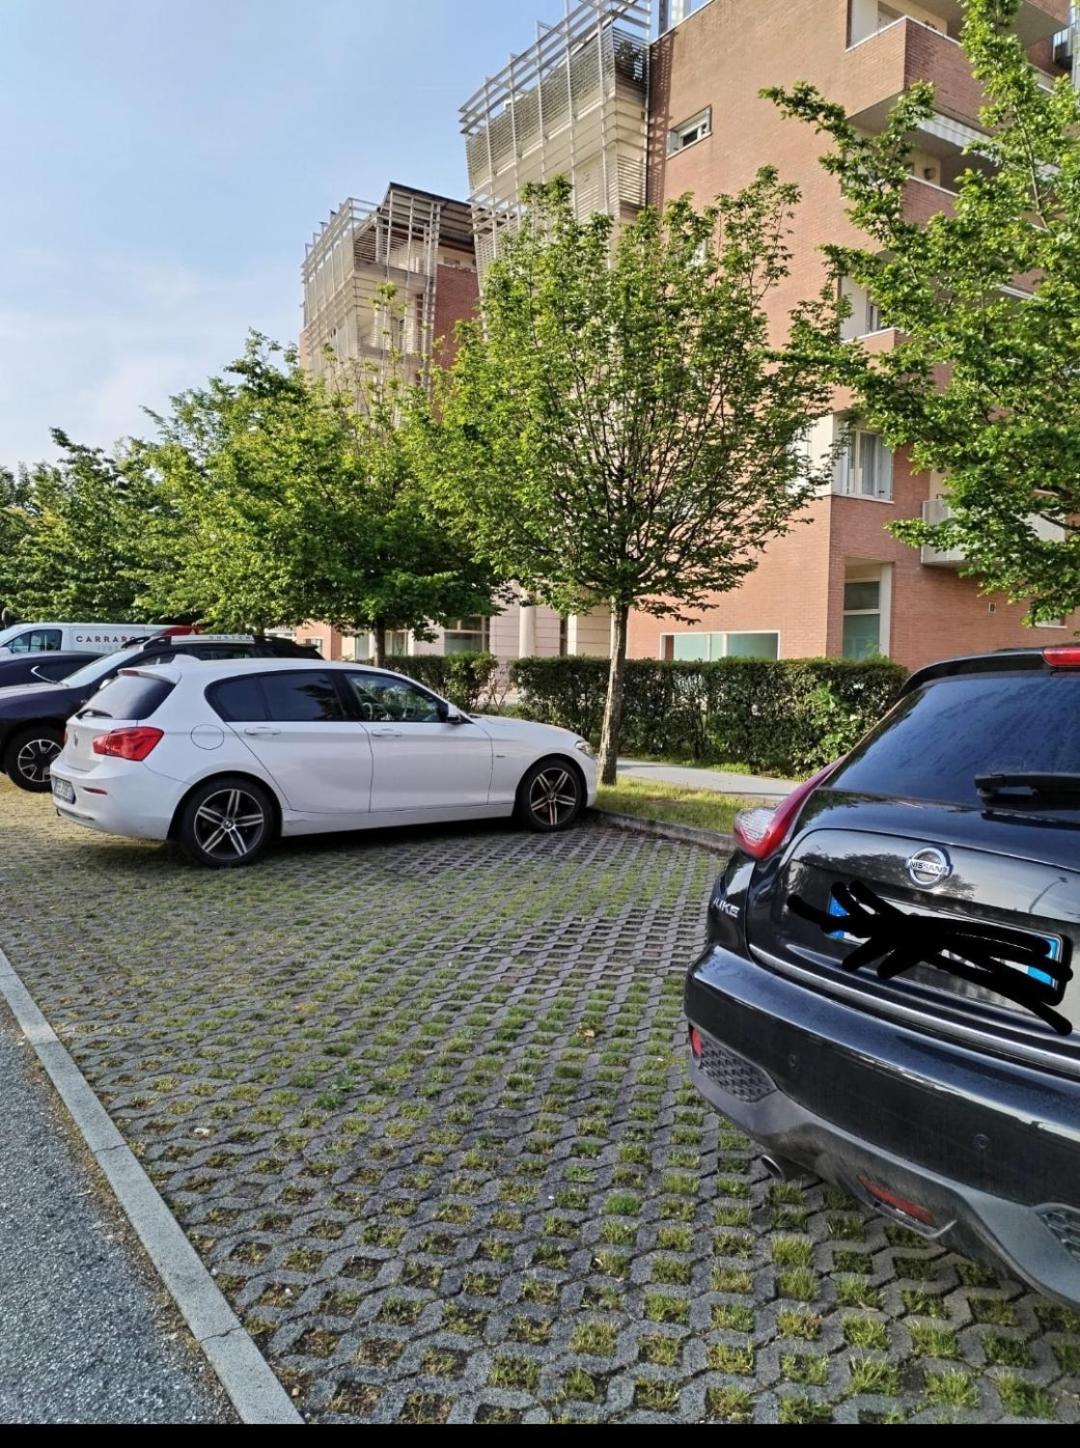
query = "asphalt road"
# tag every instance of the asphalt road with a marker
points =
(86, 1333)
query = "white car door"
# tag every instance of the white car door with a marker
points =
(297, 726)
(420, 762)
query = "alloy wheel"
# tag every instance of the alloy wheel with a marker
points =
(229, 824)
(553, 796)
(33, 759)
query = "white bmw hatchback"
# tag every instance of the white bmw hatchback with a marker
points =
(225, 757)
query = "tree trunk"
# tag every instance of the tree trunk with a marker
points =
(613, 708)
(378, 635)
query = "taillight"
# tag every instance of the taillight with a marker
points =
(696, 1043)
(762, 830)
(1063, 656)
(127, 743)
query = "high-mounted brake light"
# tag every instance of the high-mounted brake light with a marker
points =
(762, 830)
(128, 743)
(1063, 656)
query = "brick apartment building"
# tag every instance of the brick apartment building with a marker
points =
(635, 107)
(422, 244)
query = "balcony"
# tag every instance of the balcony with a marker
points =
(937, 510)
(880, 69)
(584, 79)
(1037, 19)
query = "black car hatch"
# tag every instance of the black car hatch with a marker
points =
(1027, 910)
(956, 824)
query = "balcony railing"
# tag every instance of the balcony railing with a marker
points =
(937, 510)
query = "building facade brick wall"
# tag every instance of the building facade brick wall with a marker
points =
(721, 57)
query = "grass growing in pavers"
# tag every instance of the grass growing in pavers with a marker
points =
(421, 1103)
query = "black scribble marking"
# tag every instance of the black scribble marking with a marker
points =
(985, 955)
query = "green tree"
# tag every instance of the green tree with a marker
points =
(620, 427)
(71, 537)
(983, 385)
(294, 500)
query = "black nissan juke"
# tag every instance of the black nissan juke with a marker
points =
(889, 994)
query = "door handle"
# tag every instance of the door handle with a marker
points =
(262, 732)
(387, 733)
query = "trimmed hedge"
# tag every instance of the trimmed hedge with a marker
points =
(471, 681)
(784, 717)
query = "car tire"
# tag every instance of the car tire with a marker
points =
(29, 754)
(551, 796)
(226, 823)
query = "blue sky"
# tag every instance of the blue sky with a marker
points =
(163, 163)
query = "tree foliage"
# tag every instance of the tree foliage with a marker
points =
(296, 500)
(621, 428)
(262, 499)
(71, 537)
(983, 384)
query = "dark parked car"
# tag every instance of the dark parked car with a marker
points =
(888, 997)
(32, 717)
(36, 668)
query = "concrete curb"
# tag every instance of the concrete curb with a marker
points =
(684, 834)
(244, 1373)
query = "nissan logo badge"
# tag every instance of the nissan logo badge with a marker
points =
(928, 868)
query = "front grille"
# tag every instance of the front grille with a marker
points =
(732, 1074)
(1064, 1222)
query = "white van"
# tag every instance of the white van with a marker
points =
(85, 638)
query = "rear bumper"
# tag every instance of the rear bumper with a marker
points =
(989, 1149)
(137, 802)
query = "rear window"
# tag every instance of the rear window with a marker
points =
(938, 739)
(129, 696)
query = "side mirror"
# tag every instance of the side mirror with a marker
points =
(455, 716)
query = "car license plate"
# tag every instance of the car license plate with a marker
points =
(1055, 942)
(62, 790)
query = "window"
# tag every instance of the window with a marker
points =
(301, 698)
(36, 641)
(875, 322)
(389, 699)
(706, 647)
(129, 696)
(938, 739)
(862, 618)
(238, 700)
(865, 470)
(695, 129)
(466, 635)
(220, 653)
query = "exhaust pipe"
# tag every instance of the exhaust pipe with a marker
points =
(781, 1169)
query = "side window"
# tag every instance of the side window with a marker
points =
(387, 699)
(20, 644)
(238, 700)
(301, 697)
(44, 640)
(220, 653)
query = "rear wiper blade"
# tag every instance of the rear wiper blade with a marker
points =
(1027, 784)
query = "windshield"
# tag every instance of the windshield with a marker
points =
(90, 673)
